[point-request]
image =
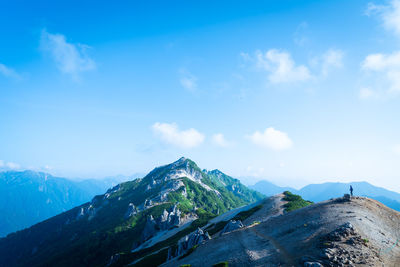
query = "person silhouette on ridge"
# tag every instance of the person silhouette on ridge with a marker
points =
(351, 190)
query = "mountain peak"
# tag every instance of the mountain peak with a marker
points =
(183, 161)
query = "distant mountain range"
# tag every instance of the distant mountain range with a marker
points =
(325, 191)
(28, 197)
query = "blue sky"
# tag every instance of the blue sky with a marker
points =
(294, 92)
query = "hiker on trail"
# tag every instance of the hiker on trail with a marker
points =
(351, 190)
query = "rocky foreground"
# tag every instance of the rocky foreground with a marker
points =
(338, 232)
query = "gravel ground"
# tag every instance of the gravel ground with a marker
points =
(360, 232)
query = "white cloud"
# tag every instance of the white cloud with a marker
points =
(8, 72)
(219, 140)
(9, 165)
(385, 68)
(281, 67)
(12, 165)
(389, 14)
(170, 133)
(188, 80)
(333, 58)
(381, 62)
(70, 58)
(272, 139)
(366, 93)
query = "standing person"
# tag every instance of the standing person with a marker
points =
(351, 190)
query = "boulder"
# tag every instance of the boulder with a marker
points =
(312, 264)
(189, 241)
(232, 225)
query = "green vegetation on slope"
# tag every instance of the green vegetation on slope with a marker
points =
(294, 202)
(104, 230)
(235, 186)
(221, 264)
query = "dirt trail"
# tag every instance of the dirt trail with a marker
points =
(285, 256)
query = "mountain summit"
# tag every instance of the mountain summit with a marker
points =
(129, 219)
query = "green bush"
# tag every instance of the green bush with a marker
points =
(294, 202)
(221, 264)
(247, 213)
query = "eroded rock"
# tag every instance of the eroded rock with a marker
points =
(232, 225)
(189, 241)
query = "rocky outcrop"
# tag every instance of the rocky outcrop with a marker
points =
(89, 211)
(232, 225)
(112, 190)
(132, 210)
(153, 183)
(312, 264)
(345, 247)
(195, 238)
(150, 228)
(345, 198)
(171, 186)
(170, 219)
(184, 192)
(148, 203)
(114, 258)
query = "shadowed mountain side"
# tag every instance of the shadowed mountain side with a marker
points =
(28, 197)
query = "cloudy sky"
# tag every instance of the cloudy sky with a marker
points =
(294, 92)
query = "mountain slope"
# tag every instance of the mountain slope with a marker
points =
(337, 232)
(325, 191)
(234, 185)
(124, 220)
(28, 197)
(320, 192)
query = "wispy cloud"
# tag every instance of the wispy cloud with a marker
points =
(8, 72)
(282, 69)
(70, 58)
(187, 80)
(366, 93)
(300, 36)
(171, 134)
(9, 165)
(219, 140)
(389, 15)
(385, 69)
(382, 70)
(331, 59)
(271, 138)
